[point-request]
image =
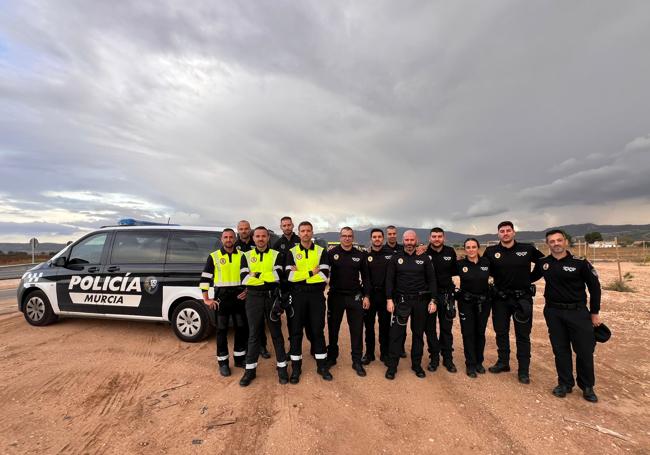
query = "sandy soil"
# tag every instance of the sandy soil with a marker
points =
(93, 386)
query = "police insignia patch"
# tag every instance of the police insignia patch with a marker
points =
(545, 266)
(400, 261)
(497, 255)
(253, 259)
(594, 272)
(299, 256)
(150, 284)
(465, 269)
(222, 261)
(283, 246)
(336, 257)
(369, 258)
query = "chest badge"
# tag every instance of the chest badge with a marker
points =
(465, 269)
(356, 259)
(569, 269)
(388, 257)
(447, 258)
(253, 259)
(400, 261)
(522, 253)
(419, 262)
(485, 269)
(299, 256)
(283, 246)
(336, 257)
(369, 258)
(222, 261)
(545, 266)
(497, 255)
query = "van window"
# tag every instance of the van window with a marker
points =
(191, 247)
(138, 247)
(88, 251)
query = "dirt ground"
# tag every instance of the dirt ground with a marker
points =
(97, 386)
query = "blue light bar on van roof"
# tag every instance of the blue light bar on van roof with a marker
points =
(133, 222)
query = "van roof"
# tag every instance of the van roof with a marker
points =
(163, 227)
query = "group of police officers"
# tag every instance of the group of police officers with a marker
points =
(255, 284)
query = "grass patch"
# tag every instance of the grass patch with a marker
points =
(619, 286)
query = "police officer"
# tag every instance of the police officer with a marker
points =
(348, 293)
(288, 238)
(222, 270)
(391, 239)
(377, 262)
(308, 268)
(473, 305)
(245, 243)
(570, 324)
(510, 264)
(391, 243)
(410, 290)
(260, 273)
(444, 261)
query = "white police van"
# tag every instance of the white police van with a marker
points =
(148, 273)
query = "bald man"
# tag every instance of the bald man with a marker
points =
(410, 291)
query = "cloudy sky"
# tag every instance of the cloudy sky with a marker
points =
(419, 113)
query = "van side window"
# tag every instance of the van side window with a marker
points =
(137, 247)
(88, 251)
(192, 247)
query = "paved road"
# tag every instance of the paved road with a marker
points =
(14, 271)
(8, 301)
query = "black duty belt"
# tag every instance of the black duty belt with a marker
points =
(344, 292)
(565, 306)
(253, 291)
(415, 295)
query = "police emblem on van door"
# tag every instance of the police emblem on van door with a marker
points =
(151, 284)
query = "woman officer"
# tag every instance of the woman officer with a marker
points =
(473, 305)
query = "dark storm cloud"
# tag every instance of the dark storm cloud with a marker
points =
(450, 113)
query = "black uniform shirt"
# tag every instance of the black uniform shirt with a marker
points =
(283, 245)
(474, 277)
(377, 265)
(410, 274)
(510, 267)
(566, 279)
(395, 249)
(244, 246)
(348, 270)
(444, 263)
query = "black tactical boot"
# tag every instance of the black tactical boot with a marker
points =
(249, 375)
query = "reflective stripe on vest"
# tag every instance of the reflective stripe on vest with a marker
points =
(226, 273)
(306, 263)
(265, 267)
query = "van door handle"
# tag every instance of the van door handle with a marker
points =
(113, 268)
(93, 269)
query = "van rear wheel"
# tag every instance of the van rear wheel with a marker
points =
(190, 321)
(37, 309)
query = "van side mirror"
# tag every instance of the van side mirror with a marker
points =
(59, 262)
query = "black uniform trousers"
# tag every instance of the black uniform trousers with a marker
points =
(309, 313)
(443, 343)
(352, 305)
(572, 329)
(415, 307)
(230, 306)
(378, 311)
(258, 310)
(474, 317)
(502, 311)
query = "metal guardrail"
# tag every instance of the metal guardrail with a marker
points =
(8, 272)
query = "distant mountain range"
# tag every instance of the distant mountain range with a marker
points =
(577, 231)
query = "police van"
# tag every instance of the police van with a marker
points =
(147, 273)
